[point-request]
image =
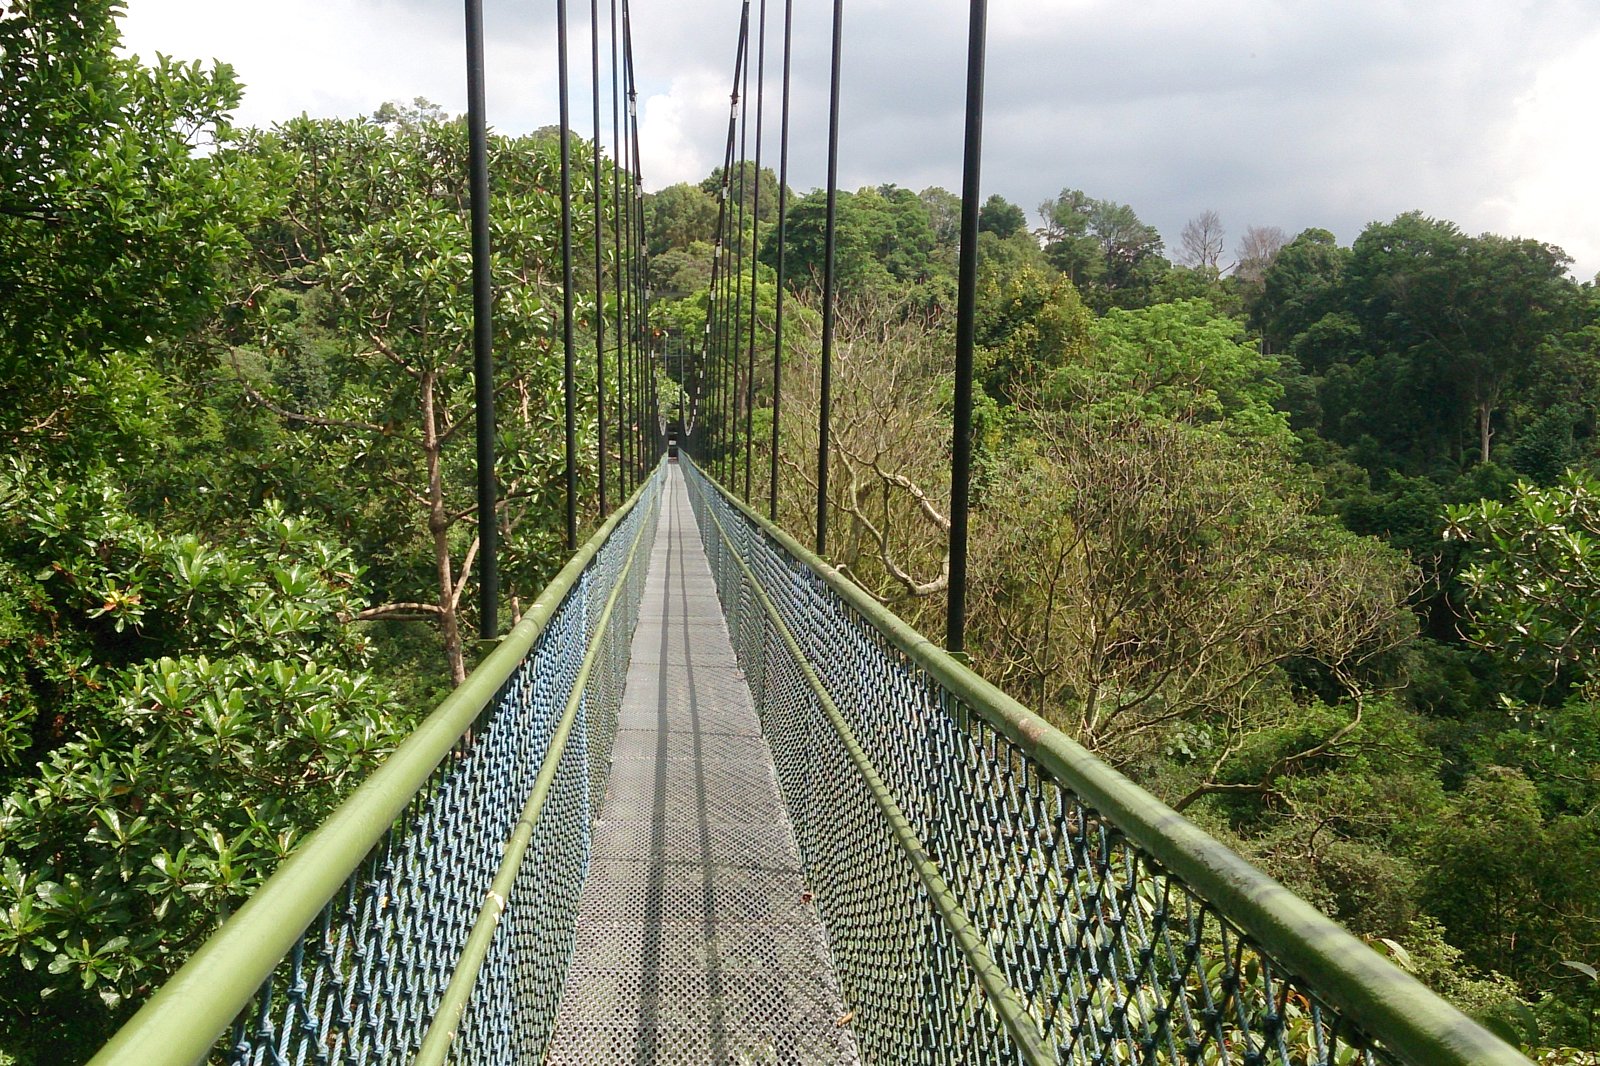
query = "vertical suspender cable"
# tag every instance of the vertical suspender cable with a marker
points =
(482, 328)
(641, 275)
(731, 463)
(569, 385)
(636, 251)
(783, 234)
(719, 336)
(824, 411)
(640, 310)
(755, 251)
(716, 349)
(966, 318)
(625, 487)
(625, 284)
(599, 258)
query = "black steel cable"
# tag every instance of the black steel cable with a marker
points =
(599, 261)
(783, 235)
(625, 335)
(715, 314)
(641, 313)
(755, 248)
(617, 265)
(966, 319)
(482, 328)
(731, 460)
(568, 376)
(642, 384)
(824, 411)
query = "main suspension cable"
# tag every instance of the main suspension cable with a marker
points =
(716, 348)
(618, 266)
(730, 461)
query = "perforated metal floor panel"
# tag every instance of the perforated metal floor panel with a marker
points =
(698, 942)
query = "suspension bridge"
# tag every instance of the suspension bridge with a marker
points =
(709, 802)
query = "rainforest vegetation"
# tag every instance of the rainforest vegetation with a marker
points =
(1303, 537)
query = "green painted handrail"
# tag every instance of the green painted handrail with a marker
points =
(453, 1004)
(182, 1021)
(1394, 1008)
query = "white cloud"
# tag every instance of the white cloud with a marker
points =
(342, 58)
(1554, 148)
(671, 126)
(1329, 113)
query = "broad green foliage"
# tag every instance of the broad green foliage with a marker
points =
(745, 187)
(1522, 884)
(1031, 322)
(1423, 340)
(1534, 580)
(193, 709)
(1173, 573)
(1180, 361)
(115, 225)
(680, 216)
(884, 241)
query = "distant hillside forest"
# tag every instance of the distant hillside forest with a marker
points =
(1300, 536)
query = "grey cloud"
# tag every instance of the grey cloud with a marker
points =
(1298, 113)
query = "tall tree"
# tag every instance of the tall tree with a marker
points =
(376, 224)
(1103, 247)
(1001, 217)
(1258, 248)
(1474, 312)
(121, 209)
(1202, 242)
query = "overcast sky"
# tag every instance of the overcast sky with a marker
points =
(1292, 113)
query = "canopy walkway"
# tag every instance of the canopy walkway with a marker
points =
(710, 803)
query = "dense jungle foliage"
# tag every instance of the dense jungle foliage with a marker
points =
(1303, 539)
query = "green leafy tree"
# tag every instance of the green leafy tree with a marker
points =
(1534, 579)
(121, 209)
(944, 215)
(188, 709)
(1001, 217)
(1175, 565)
(1300, 289)
(1104, 248)
(744, 184)
(883, 241)
(681, 216)
(1516, 888)
(1031, 322)
(376, 226)
(1471, 313)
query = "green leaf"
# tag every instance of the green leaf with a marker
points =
(1582, 967)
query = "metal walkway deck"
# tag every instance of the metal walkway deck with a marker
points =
(697, 939)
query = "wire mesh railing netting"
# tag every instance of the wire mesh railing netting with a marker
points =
(362, 984)
(1112, 959)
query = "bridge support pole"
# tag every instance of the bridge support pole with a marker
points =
(482, 328)
(966, 319)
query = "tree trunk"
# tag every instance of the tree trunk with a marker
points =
(1485, 411)
(439, 527)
